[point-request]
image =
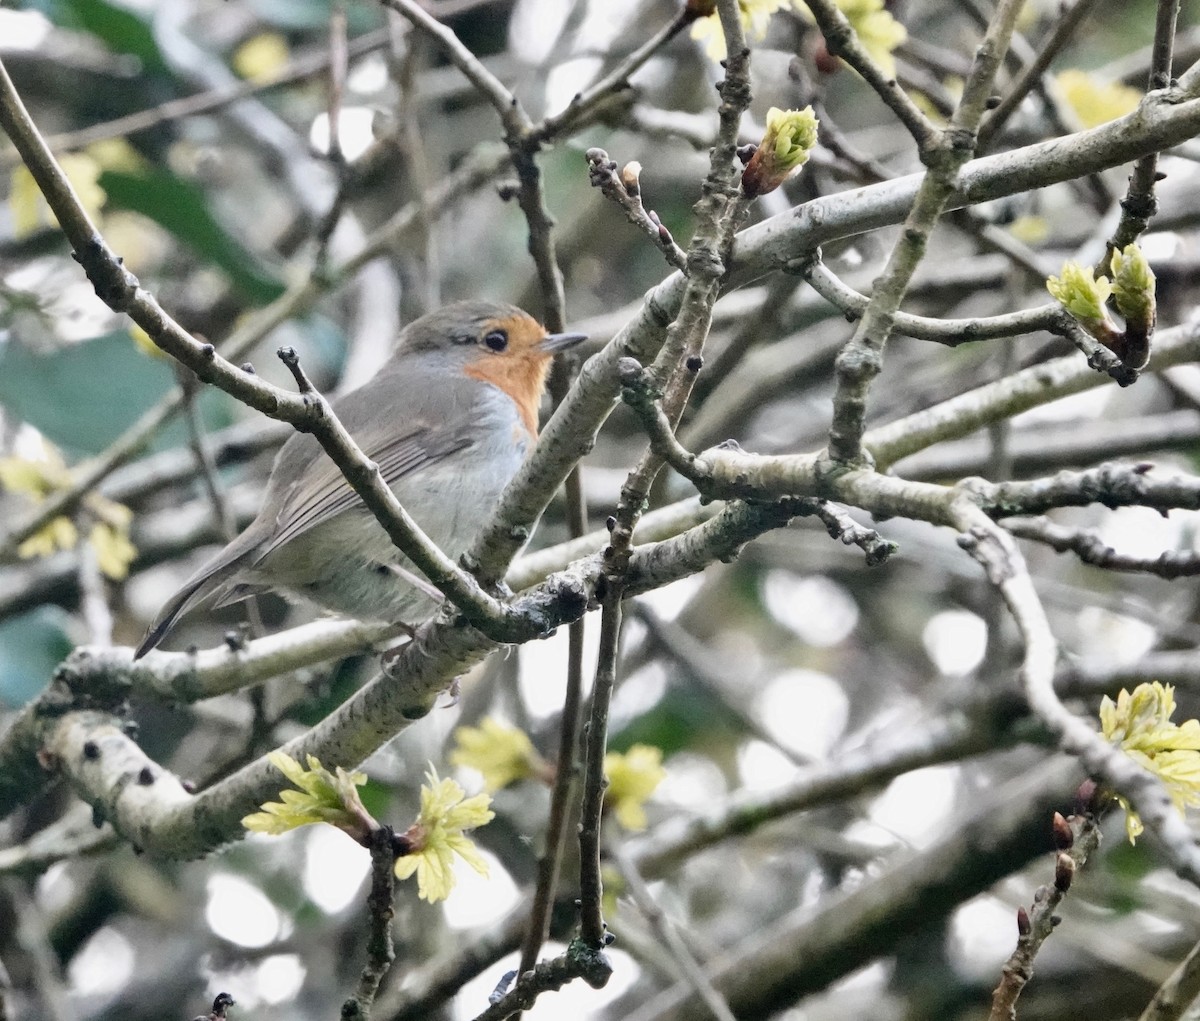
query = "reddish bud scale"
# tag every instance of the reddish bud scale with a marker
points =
(1064, 872)
(758, 178)
(1064, 836)
(1024, 926)
(1085, 797)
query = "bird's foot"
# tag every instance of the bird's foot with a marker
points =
(387, 661)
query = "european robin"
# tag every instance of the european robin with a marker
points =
(449, 418)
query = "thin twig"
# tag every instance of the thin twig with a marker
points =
(718, 213)
(338, 59)
(562, 796)
(1031, 73)
(861, 361)
(579, 961)
(1114, 485)
(1173, 998)
(1140, 205)
(380, 953)
(950, 332)
(593, 930)
(625, 190)
(585, 105)
(1076, 839)
(411, 136)
(670, 940)
(842, 41)
(1091, 549)
(485, 83)
(996, 552)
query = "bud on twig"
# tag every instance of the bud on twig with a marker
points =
(1024, 928)
(790, 136)
(1133, 286)
(1083, 295)
(1064, 872)
(1064, 836)
(631, 177)
(1085, 797)
(1133, 294)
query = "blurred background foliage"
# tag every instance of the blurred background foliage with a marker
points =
(741, 676)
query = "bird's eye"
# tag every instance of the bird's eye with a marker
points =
(496, 340)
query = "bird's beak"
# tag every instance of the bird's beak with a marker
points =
(552, 343)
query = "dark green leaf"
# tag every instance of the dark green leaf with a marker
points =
(119, 27)
(180, 207)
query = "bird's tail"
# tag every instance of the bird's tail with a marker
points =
(210, 579)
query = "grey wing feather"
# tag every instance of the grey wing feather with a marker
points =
(305, 507)
(312, 503)
(321, 491)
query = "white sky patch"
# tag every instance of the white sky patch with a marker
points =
(478, 900)
(1143, 532)
(369, 75)
(240, 912)
(916, 806)
(1160, 245)
(240, 981)
(30, 444)
(863, 831)
(334, 868)
(804, 710)
(761, 765)
(576, 1000)
(534, 27)
(354, 131)
(956, 641)
(279, 978)
(568, 79)
(638, 693)
(543, 674)
(819, 611)
(671, 600)
(23, 30)
(982, 934)
(1111, 638)
(693, 781)
(871, 977)
(103, 966)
